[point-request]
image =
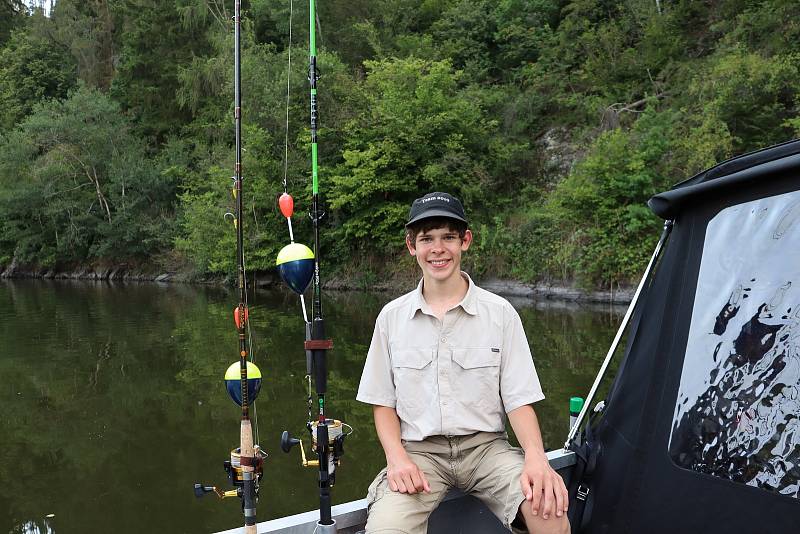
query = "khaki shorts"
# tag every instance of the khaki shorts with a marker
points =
(484, 465)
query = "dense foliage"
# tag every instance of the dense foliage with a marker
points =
(554, 120)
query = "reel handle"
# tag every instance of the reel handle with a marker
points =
(201, 490)
(287, 441)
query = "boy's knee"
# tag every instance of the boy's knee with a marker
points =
(388, 526)
(537, 525)
(388, 516)
(551, 526)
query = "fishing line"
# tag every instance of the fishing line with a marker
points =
(288, 85)
(286, 139)
(252, 349)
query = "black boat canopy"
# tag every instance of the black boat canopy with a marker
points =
(727, 176)
(701, 430)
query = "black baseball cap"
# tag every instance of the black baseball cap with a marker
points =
(436, 204)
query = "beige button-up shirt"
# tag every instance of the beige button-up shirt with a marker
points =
(452, 377)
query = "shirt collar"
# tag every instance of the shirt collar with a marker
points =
(467, 303)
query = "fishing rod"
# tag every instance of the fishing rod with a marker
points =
(243, 378)
(299, 266)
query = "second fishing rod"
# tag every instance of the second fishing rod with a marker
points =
(295, 264)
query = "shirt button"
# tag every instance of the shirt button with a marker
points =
(444, 340)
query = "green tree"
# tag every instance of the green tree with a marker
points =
(604, 228)
(12, 15)
(523, 30)
(76, 186)
(87, 29)
(156, 40)
(419, 130)
(753, 96)
(33, 67)
(465, 34)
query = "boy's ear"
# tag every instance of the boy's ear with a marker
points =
(466, 241)
(411, 248)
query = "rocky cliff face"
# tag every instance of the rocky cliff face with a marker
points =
(559, 152)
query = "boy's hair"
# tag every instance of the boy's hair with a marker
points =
(434, 223)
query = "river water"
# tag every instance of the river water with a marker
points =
(112, 402)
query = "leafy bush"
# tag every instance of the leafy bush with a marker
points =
(74, 170)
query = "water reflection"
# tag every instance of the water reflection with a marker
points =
(112, 399)
(32, 527)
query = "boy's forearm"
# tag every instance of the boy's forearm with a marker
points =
(387, 425)
(526, 427)
(543, 487)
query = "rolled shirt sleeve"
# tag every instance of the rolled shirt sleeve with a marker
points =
(519, 383)
(377, 383)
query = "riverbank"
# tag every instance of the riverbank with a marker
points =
(138, 273)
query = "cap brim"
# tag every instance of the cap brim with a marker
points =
(435, 213)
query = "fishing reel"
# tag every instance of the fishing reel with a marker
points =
(336, 430)
(235, 475)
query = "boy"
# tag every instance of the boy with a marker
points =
(447, 363)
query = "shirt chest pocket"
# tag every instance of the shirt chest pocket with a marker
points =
(414, 381)
(476, 374)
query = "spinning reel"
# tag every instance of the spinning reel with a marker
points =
(335, 432)
(235, 475)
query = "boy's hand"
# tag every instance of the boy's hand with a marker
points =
(543, 487)
(404, 476)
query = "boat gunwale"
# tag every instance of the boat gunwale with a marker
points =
(351, 516)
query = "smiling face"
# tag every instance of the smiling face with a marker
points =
(438, 252)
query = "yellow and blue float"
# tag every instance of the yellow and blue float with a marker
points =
(233, 382)
(296, 266)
